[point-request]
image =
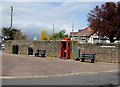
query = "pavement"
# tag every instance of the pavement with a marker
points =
(26, 66)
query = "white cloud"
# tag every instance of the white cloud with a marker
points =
(33, 17)
(0, 17)
(59, 0)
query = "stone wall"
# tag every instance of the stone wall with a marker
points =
(52, 47)
(104, 52)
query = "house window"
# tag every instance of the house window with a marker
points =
(96, 40)
(83, 40)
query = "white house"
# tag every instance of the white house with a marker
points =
(87, 35)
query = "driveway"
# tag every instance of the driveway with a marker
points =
(25, 65)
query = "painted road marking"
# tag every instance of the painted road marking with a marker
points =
(57, 75)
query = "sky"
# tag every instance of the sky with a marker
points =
(32, 17)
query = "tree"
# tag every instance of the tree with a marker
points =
(43, 35)
(59, 35)
(14, 34)
(105, 20)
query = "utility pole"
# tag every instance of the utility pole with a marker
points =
(11, 10)
(53, 29)
(72, 36)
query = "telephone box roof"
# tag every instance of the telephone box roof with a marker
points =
(65, 39)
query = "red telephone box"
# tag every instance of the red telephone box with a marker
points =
(65, 48)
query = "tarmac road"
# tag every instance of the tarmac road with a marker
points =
(110, 79)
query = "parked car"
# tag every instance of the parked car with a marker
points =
(2, 47)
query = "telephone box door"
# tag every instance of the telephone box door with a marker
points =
(65, 48)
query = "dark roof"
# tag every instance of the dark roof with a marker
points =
(84, 32)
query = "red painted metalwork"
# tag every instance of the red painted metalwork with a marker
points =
(65, 48)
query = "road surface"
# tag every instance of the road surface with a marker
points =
(110, 78)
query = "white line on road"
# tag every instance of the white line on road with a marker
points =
(57, 75)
